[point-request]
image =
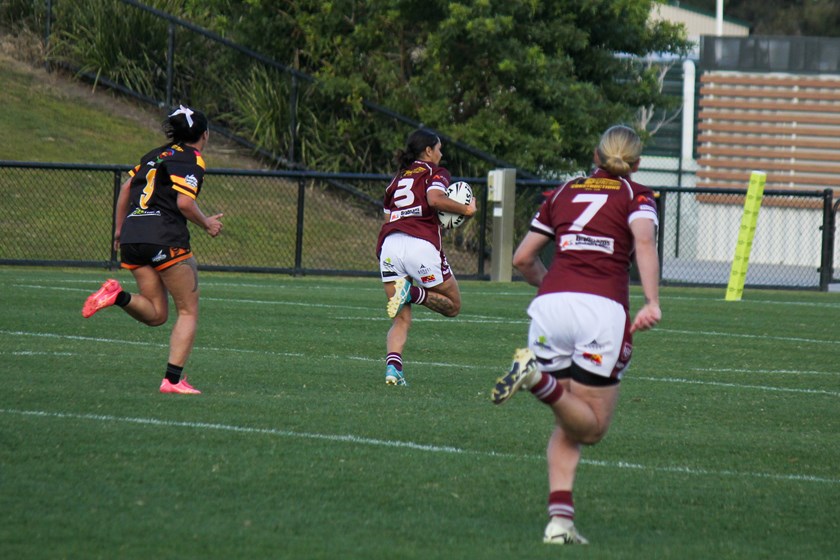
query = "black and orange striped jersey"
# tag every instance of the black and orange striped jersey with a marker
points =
(153, 215)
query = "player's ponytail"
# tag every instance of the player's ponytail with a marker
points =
(415, 146)
(619, 150)
(185, 125)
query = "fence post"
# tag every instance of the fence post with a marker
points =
(501, 184)
(661, 201)
(114, 263)
(299, 230)
(827, 258)
(482, 236)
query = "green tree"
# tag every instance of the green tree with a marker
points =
(533, 82)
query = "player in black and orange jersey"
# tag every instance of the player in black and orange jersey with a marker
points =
(409, 245)
(151, 234)
(580, 338)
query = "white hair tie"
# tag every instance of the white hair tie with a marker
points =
(186, 111)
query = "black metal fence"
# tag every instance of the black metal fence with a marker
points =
(296, 222)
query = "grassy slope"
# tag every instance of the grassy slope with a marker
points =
(51, 118)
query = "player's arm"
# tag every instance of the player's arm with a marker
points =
(527, 259)
(189, 208)
(121, 210)
(647, 261)
(439, 201)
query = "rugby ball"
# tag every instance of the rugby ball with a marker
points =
(461, 192)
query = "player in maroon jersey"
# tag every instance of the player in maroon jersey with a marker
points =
(411, 260)
(580, 337)
(151, 234)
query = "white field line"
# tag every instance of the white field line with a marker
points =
(359, 440)
(489, 369)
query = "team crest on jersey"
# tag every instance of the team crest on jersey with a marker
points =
(581, 242)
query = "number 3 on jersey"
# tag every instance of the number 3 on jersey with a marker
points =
(404, 196)
(595, 202)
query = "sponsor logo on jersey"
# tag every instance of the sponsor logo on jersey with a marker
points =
(581, 242)
(598, 184)
(423, 269)
(159, 257)
(626, 351)
(414, 212)
(140, 213)
(388, 264)
(596, 359)
(413, 171)
(427, 279)
(191, 181)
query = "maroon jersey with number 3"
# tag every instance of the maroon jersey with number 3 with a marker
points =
(406, 206)
(589, 219)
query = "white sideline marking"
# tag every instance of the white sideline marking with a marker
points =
(151, 344)
(770, 371)
(491, 370)
(347, 438)
(738, 386)
(743, 335)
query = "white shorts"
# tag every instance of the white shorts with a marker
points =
(593, 332)
(406, 256)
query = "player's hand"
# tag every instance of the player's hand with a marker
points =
(214, 225)
(647, 317)
(471, 208)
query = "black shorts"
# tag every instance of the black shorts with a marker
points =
(159, 257)
(582, 376)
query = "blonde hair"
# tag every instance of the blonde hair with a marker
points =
(619, 149)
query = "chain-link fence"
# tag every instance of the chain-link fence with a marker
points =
(327, 223)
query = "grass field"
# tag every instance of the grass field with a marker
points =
(724, 445)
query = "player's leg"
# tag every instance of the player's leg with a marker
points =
(395, 283)
(150, 305)
(445, 298)
(395, 341)
(181, 280)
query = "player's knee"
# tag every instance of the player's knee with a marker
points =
(454, 309)
(594, 436)
(155, 321)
